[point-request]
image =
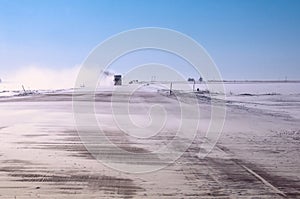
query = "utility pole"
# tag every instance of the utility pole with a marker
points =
(194, 86)
(153, 78)
(171, 88)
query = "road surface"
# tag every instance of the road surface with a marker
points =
(42, 156)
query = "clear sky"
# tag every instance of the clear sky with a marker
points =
(248, 39)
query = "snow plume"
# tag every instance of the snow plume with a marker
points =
(35, 78)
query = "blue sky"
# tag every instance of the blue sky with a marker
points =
(248, 39)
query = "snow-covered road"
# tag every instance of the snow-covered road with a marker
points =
(42, 155)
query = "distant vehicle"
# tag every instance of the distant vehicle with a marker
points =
(133, 81)
(191, 79)
(118, 80)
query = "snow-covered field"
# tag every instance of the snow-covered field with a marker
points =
(253, 88)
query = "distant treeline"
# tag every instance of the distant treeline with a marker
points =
(222, 81)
